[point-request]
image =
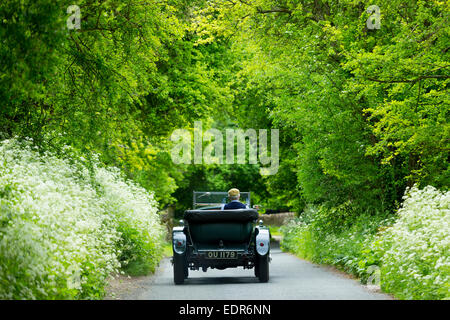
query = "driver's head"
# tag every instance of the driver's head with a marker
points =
(234, 194)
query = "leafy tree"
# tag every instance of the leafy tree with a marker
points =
(366, 111)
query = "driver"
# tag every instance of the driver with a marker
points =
(234, 195)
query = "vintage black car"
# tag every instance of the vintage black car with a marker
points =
(220, 239)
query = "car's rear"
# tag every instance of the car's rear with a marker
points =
(220, 239)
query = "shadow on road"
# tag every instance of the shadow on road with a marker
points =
(220, 280)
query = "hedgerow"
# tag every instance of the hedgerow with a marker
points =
(336, 236)
(65, 227)
(411, 248)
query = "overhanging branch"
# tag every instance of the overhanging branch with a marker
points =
(437, 76)
(273, 10)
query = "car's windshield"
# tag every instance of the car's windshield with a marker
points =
(203, 199)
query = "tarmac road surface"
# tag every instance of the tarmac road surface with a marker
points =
(291, 278)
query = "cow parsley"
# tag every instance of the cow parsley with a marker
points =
(64, 230)
(416, 258)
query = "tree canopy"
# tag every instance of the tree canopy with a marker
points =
(362, 112)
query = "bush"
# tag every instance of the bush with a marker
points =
(413, 253)
(416, 249)
(135, 213)
(64, 228)
(342, 242)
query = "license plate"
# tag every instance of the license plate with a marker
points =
(221, 255)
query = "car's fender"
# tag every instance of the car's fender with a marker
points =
(262, 241)
(178, 240)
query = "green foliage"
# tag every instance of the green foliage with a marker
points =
(125, 80)
(317, 237)
(412, 251)
(364, 112)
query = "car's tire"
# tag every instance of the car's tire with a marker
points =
(179, 268)
(186, 269)
(263, 268)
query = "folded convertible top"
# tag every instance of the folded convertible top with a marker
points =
(235, 215)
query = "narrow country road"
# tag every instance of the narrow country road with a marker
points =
(290, 278)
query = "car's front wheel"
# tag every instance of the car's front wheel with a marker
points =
(179, 268)
(186, 270)
(262, 268)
